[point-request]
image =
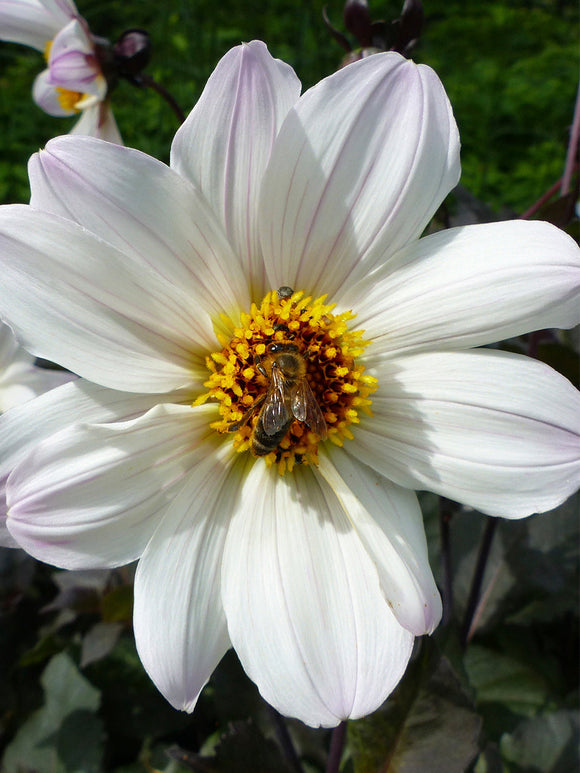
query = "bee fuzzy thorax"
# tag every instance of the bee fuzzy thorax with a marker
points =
(287, 379)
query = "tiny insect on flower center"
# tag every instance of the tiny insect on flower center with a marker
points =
(288, 379)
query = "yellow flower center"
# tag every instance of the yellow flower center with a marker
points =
(287, 379)
(68, 100)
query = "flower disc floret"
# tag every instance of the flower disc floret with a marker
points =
(241, 373)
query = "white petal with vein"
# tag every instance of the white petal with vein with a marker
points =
(76, 300)
(247, 96)
(471, 286)
(389, 522)
(360, 165)
(302, 599)
(180, 626)
(493, 430)
(164, 225)
(75, 403)
(91, 495)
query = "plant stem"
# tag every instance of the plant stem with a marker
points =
(544, 198)
(572, 147)
(148, 82)
(477, 582)
(336, 747)
(570, 167)
(285, 740)
(445, 514)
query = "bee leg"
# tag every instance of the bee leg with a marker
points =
(247, 415)
(259, 367)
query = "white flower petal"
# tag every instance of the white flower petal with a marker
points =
(20, 379)
(359, 167)
(23, 381)
(72, 62)
(471, 286)
(76, 300)
(9, 349)
(302, 599)
(165, 225)
(247, 97)
(77, 402)
(180, 626)
(98, 121)
(64, 9)
(389, 523)
(47, 98)
(91, 496)
(34, 23)
(493, 430)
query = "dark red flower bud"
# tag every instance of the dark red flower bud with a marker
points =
(132, 53)
(409, 26)
(357, 20)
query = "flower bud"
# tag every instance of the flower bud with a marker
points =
(132, 53)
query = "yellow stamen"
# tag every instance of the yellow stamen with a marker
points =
(323, 351)
(68, 100)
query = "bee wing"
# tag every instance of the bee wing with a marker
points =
(275, 414)
(305, 408)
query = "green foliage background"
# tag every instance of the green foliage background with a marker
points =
(510, 69)
(73, 695)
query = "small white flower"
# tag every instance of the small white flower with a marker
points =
(73, 82)
(158, 286)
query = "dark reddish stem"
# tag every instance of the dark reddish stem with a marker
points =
(148, 82)
(570, 167)
(571, 155)
(477, 582)
(445, 514)
(285, 740)
(541, 201)
(336, 747)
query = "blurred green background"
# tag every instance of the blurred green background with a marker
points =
(510, 69)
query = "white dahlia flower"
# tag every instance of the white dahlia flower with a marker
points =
(271, 361)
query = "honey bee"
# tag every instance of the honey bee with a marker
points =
(288, 397)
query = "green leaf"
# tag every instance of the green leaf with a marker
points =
(428, 724)
(132, 706)
(489, 761)
(546, 744)
(506, 680)
(45, 647)
(546, 567)
(99, 642)
(467, 530)
(64, 736)
(117, 605)
(243, 748)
